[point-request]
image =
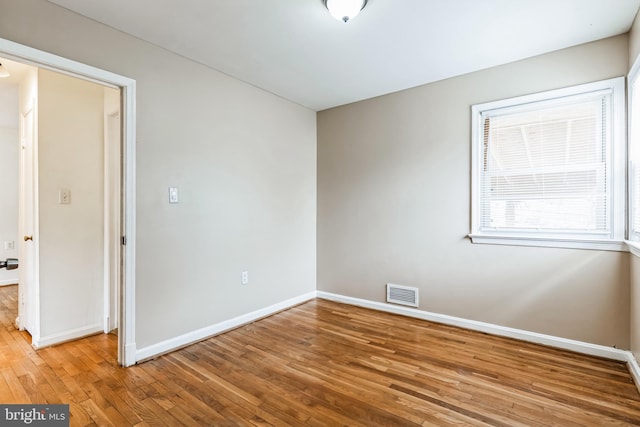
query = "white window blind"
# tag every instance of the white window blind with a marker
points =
(551, 167)
(545, 168)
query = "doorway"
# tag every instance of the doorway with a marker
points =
(9, 155)
(117, 198)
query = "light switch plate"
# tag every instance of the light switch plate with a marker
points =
(64, 196)
(173, 195)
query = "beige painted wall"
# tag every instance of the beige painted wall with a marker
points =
(9, 145)
(635, 306)
(394, 206)
(70, 156)
(243, 159)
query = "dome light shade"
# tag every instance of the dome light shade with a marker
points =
(344, 10)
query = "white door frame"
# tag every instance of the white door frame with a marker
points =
(112, 216)
(41, 59)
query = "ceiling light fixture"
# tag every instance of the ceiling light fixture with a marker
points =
(345, 10)
(3, 72)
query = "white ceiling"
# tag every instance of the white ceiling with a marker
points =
(295, 49)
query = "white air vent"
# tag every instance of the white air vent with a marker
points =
(402, 295)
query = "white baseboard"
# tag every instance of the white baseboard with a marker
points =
(634, 368)
(65, 336)
(7, 282)
(533, 337)
(189, 338)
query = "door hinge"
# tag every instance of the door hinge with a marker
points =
(124, 240)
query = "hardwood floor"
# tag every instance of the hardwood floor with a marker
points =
(321, 364)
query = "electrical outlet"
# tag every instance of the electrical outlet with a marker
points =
(245, 278)
(9, 246)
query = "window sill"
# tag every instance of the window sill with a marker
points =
(634, 247)
(599, 245)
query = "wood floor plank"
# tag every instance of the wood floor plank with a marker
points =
(317, 364)
(96, 413)
(19, 394)
(78, 416)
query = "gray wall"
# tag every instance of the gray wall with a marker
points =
(394, 206)
(243, 159)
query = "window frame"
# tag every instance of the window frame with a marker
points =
(618, 164)
(634, 74)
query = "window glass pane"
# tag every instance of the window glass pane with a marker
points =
(634, 155)
(545, 169)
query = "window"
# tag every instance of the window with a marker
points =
(549, 168)
(634, 153)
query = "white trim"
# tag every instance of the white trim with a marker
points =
(189, 338)
(634, 73)
(520, 102)
(635, 68)
(42, 59)
(8, 282)
(634, 369)
(503, 331)
(602, 245)
(65, 336)
(126, 323)
(634, 247)
(112, 216)
(35, 306)
(619, 158)
(131, 350)
(106, 226)
(477, 134)
(12, 50)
